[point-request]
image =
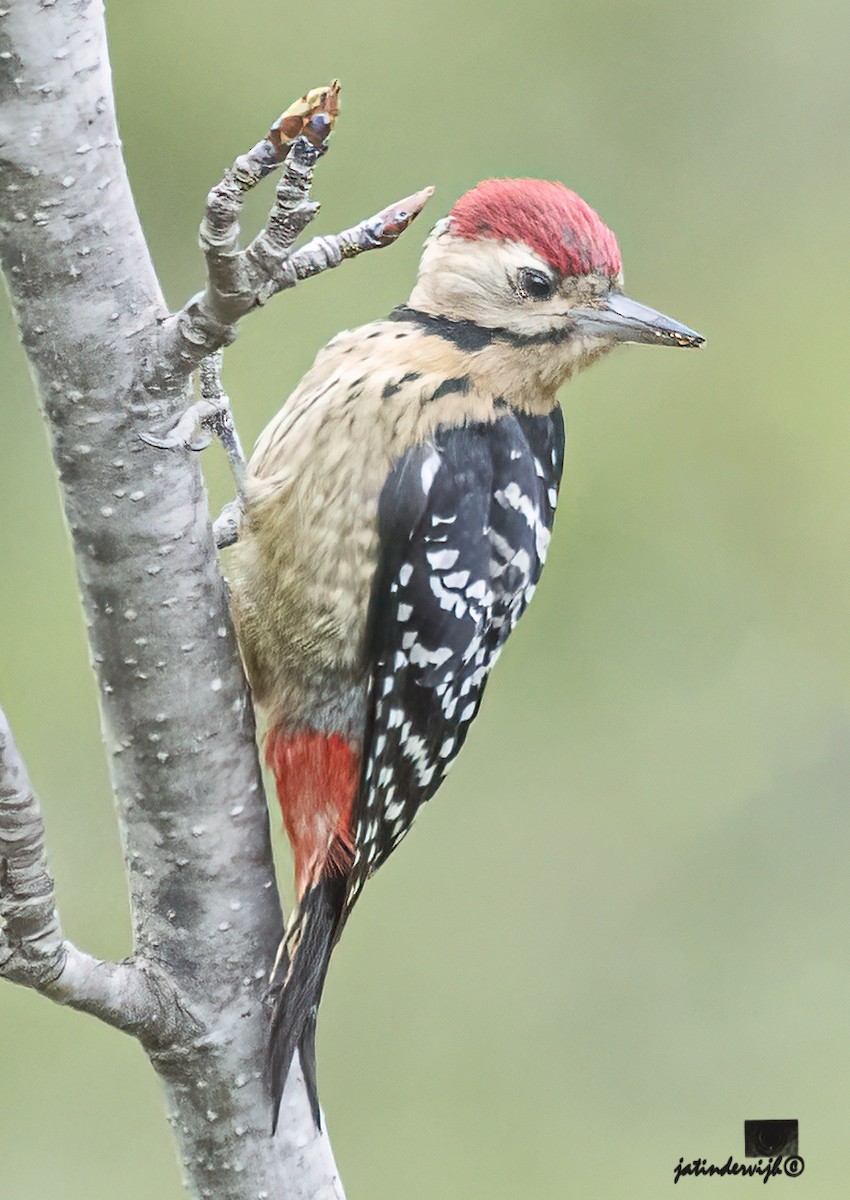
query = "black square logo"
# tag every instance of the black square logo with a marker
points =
(765, 1138)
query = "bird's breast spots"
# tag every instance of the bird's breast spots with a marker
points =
(461, 384)
(394, 387)
(317, 775)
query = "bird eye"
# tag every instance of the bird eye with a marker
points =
(534, 285)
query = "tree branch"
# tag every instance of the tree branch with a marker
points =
(33, 951)
(239, 281)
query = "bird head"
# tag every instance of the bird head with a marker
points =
(531, 261)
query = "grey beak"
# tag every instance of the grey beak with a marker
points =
(623, 320)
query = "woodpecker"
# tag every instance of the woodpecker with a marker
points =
(397, 512)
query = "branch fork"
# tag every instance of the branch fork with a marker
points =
(239, 281)
(33, 949)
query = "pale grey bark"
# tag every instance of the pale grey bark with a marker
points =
(133, 996)
(109, 364)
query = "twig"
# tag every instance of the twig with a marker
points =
(371, 234)
(239, 281)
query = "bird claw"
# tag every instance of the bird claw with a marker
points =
(200, 442)
(227, 523)
(194, 430)
(208, 418)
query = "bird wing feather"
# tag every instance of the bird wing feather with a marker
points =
(464, 524)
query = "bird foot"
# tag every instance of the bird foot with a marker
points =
(207, 418)
(227, 524)
(195, 428)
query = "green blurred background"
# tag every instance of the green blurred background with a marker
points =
(622, 927)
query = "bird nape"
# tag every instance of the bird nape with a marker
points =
(397, 514)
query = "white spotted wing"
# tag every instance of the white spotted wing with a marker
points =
(464, 527)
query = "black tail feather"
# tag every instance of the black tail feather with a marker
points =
(313, 931)
(307, 1055)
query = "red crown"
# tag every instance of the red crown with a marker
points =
(548, 217)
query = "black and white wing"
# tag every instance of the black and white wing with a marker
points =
(464, 527)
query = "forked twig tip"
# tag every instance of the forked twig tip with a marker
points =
(395, 219)
(312, 116)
